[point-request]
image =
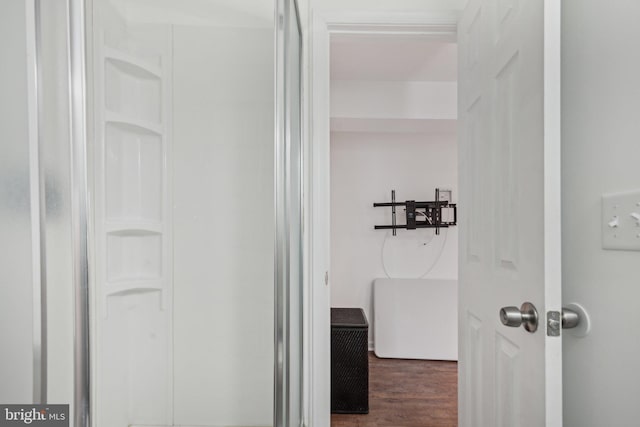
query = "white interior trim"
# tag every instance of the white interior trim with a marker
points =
(552, 197)
(440, 26)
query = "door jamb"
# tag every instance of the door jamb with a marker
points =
(437, 25)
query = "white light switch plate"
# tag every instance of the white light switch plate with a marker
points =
(621, 221)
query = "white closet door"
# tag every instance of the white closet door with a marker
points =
(510, 229)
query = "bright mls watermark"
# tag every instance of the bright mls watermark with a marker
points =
(34, 415)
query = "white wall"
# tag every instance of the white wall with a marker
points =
(223, 226)
(16, 300)
(394, 100)
(601, 148)
(365, 167)
(397, 5)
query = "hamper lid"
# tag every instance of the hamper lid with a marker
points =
(348, 317)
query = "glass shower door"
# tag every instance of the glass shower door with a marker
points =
(185, 208)
(36, 210)
(141, 202)
(19, 382)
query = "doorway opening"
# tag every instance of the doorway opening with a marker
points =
(393, 122)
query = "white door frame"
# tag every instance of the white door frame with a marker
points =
(439, 25)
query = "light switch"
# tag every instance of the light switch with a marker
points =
(621, 221)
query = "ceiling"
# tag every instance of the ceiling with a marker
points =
(392, 58)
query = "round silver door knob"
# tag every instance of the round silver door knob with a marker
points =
(570, 318)
(511, 316)
(526, 315)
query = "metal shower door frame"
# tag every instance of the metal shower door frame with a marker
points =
(285, 392)
(79, 199)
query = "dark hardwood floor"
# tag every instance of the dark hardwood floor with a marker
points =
(408, 393)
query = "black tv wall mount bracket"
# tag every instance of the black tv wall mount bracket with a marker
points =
(440, 213)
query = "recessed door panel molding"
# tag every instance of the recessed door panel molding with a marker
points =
(474, 376)
(469, 52)
(507, 394)
(474, 198)
(505, 15)
(505, 132)
(474, 40)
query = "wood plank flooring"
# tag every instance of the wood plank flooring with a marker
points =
(408, 393)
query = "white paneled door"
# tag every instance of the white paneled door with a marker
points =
(509, 114)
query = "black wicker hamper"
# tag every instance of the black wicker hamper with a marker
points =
(349, 361)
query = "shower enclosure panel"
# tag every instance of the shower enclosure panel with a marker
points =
(151, 142)
(36, 308)
(133, 234)
(18, 230)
